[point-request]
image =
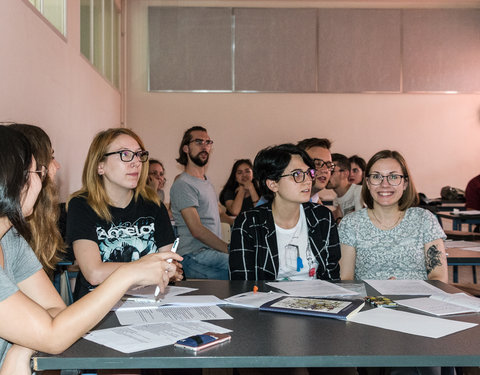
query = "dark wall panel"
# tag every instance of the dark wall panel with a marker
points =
(275, 50)
(190, 48)
(359, 50)
(441, 50)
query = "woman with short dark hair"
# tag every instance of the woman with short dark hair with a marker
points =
(391, 238)
(288, 238)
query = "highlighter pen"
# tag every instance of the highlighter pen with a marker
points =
(173, 250)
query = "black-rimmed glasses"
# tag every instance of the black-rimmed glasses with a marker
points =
(299, 176)
(319, 164)
(377, 179)
(201, 142)
(42, 172)
(128, 155)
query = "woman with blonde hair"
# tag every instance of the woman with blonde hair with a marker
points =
(46, 240)
(115, 217)
(32, 314)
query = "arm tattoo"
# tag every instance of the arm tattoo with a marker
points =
(433, 258)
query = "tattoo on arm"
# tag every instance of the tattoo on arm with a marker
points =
(433, 258)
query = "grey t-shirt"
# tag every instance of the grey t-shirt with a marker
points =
(398, 252)
(20, 263)
(189, 191)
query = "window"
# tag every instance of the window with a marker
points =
(54, 11)
(100, 36)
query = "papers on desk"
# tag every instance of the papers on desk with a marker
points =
(170, 314)
(414, 324)
(440, 305)
(147, 336)
(467, 213)
(132, 303)
(149, 291)
(252, 299)
(404, 287)
(312, 288)
(464, 245)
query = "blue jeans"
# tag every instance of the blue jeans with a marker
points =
(206, 264)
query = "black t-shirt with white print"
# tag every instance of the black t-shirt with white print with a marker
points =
(136, 230)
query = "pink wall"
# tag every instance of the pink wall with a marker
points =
(45, 81)
(438, 134)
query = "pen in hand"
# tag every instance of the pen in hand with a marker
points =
(173, 250)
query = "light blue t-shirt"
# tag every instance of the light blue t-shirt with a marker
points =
(398, 252)
(189, 191)
(20, 263)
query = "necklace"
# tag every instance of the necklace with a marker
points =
(387, 227)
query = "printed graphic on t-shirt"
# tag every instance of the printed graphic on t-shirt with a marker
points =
(126, 242)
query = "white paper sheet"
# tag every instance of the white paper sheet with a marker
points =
(404, 287)
(414, 324)
(462, 244)
(312, 288)
(171, 314)
(149, 291)
(147, 336)
(253, 299)
(434, 306)
(130, 303)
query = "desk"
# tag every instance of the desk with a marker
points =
(460, 257)
(267, 339)
(459, 219)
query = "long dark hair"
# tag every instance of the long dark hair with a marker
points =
(15, 161)
(187, 138)
(232, 182)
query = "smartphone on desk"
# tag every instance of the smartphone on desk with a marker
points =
(203, 341)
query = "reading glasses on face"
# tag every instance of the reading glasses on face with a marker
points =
(42, 172)
(377, 179)
(201, 142)
(128, 155)
(299, 176)
(319, 164)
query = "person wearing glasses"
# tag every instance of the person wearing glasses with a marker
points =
(114, 218)
(319, 150)
(349, 196)
(156, 177)
(195, 210)
(46, 240)
(288, 238)
(391, 238)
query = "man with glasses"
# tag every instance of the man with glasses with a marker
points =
(319, 150)
(349, 196)
(195, 211)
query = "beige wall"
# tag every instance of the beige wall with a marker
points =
(45, 81)
(439, 134)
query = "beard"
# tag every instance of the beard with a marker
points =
(197, 160)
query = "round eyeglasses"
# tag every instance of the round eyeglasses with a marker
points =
(42, 172)
(128, 155)
(299, 176)
(319, 164)
(377, 179)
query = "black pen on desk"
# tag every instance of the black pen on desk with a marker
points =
(173, 250)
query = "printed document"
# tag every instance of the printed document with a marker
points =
(404, 287)
(312, 288)
(414, 324)
(147, 336)
(253, 299)
(171, 314)
(443, 304)
(149, 291)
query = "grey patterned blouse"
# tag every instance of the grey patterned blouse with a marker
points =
(398, 252)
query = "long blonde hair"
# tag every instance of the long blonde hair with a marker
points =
(93, 187)
(46, 240)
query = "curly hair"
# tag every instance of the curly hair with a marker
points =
(46, 240)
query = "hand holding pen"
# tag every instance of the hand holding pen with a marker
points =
(173, 250)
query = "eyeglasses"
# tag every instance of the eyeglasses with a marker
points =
(299, 176)
(156, 174)
(42, 172)
(128, 155)
(319, 164)
(201, 142)
(377, 179)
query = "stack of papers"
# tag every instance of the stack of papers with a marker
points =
(440, 305)
(312, 288)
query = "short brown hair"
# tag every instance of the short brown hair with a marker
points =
(409, 197)
(307, 143)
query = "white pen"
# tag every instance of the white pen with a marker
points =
(173, 250)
